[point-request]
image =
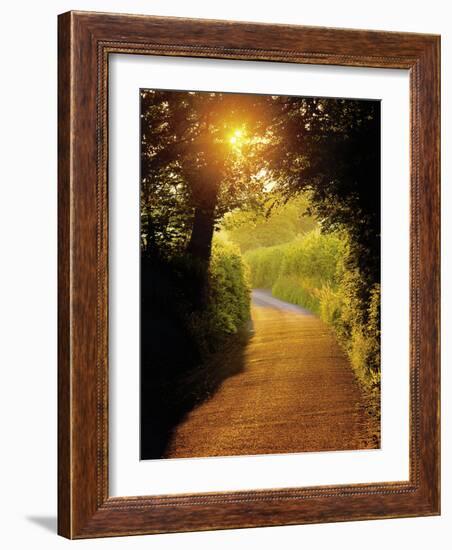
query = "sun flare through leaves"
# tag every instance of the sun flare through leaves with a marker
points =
(237, 138)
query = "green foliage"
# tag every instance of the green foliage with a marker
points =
(288, 288)
(357, 324)
(313, 257)
(363, 347)
(314, 272)
(273, 224)
(228, 297)
(332, 149)
(299, 270)
(265, 264)
(330, 307)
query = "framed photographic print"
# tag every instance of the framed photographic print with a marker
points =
(248, 275)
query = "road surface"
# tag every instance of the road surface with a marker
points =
(296, 392)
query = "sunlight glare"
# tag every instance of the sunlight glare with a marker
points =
(237, 137)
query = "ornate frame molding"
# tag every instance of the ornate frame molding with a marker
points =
(85, 42)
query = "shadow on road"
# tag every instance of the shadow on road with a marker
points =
(175, 378)
(167, 398)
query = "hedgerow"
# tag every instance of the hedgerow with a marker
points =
(314, 271)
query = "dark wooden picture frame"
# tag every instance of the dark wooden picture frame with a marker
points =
(85, 508)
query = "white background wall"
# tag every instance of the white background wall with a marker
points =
(28, 270)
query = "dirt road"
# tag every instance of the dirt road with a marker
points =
(296, 392)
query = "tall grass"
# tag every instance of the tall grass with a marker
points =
(312, 271)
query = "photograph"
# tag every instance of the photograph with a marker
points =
(260, 220)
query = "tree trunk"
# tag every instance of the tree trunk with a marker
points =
(205, 196)
(200, 244)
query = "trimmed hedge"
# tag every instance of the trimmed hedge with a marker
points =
(228, 297)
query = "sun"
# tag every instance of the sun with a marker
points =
(237, 138)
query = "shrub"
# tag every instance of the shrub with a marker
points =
(293, 290)
(330, 305)
(229, 287)
(313, 257)
(228, 297)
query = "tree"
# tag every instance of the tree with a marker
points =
(205, 154)
(341, 141)
(331, 149)
(200, 159)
